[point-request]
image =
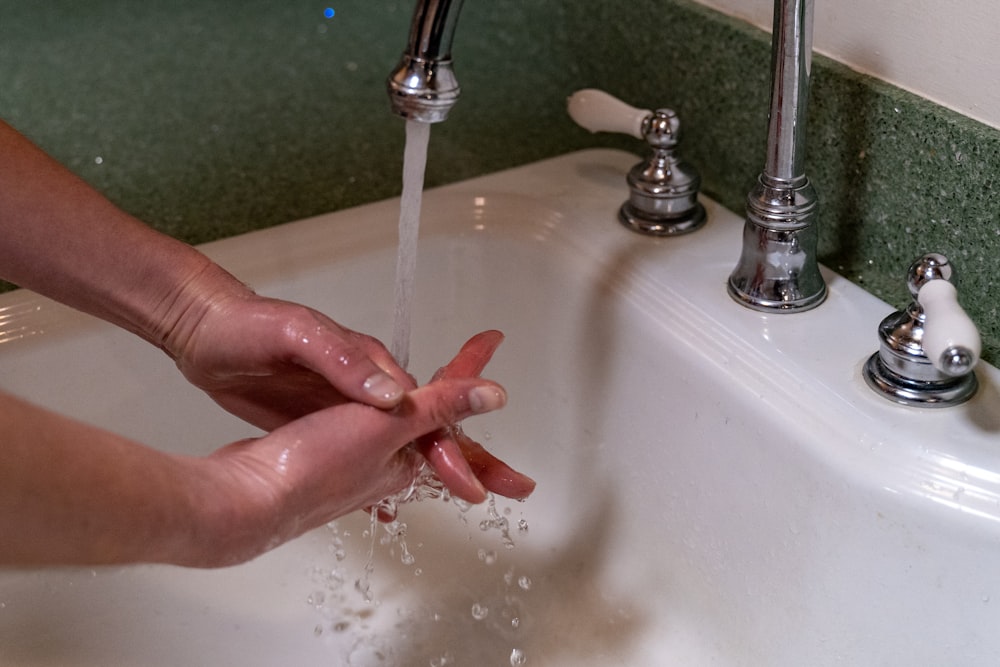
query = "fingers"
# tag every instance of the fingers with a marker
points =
(460, 462)
(445, 457)
(468, 469)
(473, 357)
(434, 407)
(357, 365)
(492, 473)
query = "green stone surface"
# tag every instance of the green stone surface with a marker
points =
(209, 119)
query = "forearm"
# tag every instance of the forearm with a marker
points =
(75, 494)
(60, 237)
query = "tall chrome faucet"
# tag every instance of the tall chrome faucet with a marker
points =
(777, 270)
(423, 86)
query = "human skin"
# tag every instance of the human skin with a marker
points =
(337, 411)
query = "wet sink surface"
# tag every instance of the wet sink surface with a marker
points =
(715, 486)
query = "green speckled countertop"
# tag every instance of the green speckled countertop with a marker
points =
(208, 119)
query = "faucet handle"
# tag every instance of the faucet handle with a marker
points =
(951, 340)
(663, 190)
(927, 351)
(597, 111)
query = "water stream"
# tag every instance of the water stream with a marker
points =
(414, 162)
(426, 485)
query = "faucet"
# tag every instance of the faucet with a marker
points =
(927, 351)
(423, 87)
(663, 189)
(777, 270)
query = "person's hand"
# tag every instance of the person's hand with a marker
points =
(461, 463)
(325, 465)
(270, 361)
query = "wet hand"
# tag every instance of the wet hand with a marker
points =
(270, 362)
(461, 463)
(327, 464)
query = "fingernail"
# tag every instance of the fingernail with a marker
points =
(486, 399)
(383, 387)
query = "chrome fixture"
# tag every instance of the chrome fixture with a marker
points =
(663, 189)
(423, 86)
(777, 270)
(927, 352)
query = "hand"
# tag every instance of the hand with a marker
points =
(270, 362)
(327, 464)
(461, 463)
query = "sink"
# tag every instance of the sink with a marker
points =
(716, 486)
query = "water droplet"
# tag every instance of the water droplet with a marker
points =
(522, 525)
(488, 557)
(524, 582)
(479, 612)
(517, 657)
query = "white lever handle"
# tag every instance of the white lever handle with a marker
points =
(951, 340)
(597, 111)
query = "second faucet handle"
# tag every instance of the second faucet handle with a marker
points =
(597, 111)
(951, 340)
(927, 351)
(663, 190)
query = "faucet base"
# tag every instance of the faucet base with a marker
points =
(639, 221)
(777, 271)
(918, 393)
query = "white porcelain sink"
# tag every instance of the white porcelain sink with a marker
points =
(715, 486)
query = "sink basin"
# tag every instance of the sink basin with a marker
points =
(716, 486)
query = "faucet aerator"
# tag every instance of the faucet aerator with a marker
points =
(423, 86)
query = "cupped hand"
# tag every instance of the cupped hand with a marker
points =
(270, 361)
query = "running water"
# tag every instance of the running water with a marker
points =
(426, 485)
(414, 162)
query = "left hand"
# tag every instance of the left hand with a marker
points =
(270, 361)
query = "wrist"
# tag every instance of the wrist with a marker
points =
(235, 509)
(175, 316)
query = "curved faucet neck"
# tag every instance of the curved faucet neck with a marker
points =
(423, 86)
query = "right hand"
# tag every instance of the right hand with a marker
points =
(464, 465)
(326, 464)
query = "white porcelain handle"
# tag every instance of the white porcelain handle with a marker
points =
(597, 111)
(947, 329)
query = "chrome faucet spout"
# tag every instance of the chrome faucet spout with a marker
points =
(791, 64)
(778, 269)
(423, 86)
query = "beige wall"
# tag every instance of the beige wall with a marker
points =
(943, 50)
